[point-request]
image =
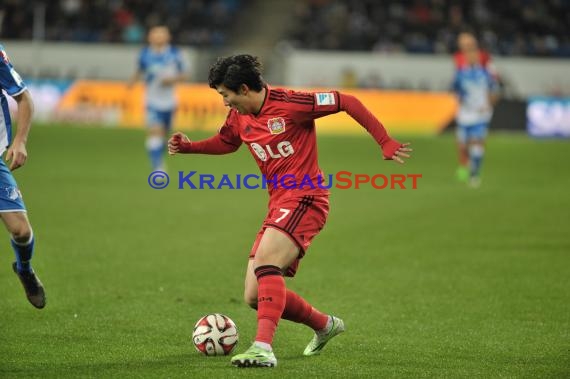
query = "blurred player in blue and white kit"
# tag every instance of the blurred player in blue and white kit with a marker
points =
(12, 208)
(162, 66)
(477, 90)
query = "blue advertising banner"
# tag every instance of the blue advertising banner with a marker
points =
(548, 117)
(47, 94)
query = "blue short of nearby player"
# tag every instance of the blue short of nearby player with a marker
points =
(10, 196)
(472, 132)
(163, 118)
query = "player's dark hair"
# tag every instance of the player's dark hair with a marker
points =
(235, 70)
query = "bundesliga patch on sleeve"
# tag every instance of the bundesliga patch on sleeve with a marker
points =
(325, 98)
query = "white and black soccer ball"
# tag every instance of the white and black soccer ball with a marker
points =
(215, 334)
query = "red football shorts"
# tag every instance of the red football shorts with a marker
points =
(300, 218)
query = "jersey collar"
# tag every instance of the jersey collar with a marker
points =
(267, 90)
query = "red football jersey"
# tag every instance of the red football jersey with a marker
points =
(282, 139)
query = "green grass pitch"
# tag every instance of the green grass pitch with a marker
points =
(439, 282)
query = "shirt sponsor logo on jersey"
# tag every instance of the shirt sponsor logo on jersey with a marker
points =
(276, 125)
(282, 150)
(325, 98)
(258, 150)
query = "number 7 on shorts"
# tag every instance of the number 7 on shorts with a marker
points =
(284, 212)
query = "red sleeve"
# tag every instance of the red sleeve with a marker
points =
(364, 117)
(325, 103)
(214, 145)
(226, 141)
(307, 106)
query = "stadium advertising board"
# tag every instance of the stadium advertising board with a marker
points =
(201, 108)
(548, 117)
(47, 95)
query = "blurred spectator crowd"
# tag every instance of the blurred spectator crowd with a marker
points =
(507, 27)
(192, 22)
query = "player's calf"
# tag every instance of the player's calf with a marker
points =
(250, 300)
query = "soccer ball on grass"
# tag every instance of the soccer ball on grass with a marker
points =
(215, 334)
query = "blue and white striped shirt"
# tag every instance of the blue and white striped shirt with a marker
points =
(12, 84)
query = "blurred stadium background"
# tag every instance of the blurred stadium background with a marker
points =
(446, 282)
(390, 45)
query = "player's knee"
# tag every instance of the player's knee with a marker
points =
(20, 231)
(154, 142)
(476, 149)
(156, 129)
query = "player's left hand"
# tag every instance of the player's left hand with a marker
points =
(395, 151)
(16, 155)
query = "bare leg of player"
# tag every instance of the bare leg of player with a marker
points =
(265, 291)
(476, 153)
(274, 253)
(463, 155)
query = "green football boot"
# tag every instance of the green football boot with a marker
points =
(255, 357)
(462, 174)
(321, 339)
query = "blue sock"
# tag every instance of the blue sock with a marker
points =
(24, 252)
(476, 153)
(155, 149)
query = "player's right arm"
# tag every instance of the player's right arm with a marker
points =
(179, 143)
(139, 73)
(456, 85)
(226, 141)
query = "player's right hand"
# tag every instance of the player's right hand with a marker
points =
(179, 143)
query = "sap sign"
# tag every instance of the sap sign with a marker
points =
(548, 117)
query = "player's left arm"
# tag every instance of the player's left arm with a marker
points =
(391, 149)
(494, 90)
(326, 103)
(182, 71)
(137, 75)
(139, 72)
(17, 153)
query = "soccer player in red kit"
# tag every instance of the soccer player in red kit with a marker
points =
(278, 126)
